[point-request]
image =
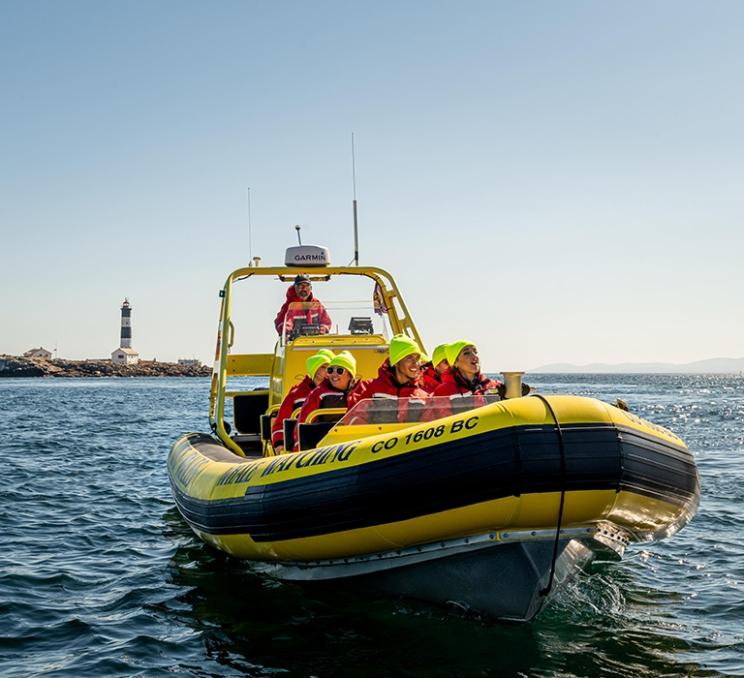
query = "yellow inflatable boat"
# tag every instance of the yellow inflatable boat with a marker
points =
(490, 507)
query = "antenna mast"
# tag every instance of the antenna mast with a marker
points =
(354, 203)
(250, 244)
(299, 239)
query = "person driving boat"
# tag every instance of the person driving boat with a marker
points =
(301, 306)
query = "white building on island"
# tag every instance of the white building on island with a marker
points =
(125, 354)
(38, 353)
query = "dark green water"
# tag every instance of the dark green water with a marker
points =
(100, 576)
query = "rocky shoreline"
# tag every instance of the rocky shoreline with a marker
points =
(17, 366)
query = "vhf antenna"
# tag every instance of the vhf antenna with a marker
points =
(354, 203)
(250, 245)
(297, 228)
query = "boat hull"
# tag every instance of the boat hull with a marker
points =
(508, 576)
(456, 509)
(509, 581)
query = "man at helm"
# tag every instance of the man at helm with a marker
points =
(301, 305)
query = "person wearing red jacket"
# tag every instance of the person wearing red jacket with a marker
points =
(300, 304)
(332, 391)
(316, 366)
(398, 379)
(431, 372)
(464, 379)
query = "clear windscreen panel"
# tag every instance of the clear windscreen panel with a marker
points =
(308, 319)
(412, 410)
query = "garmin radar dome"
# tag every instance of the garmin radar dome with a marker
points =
(307, 255)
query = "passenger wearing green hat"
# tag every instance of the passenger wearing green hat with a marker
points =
(316, 366)
(439, 359)
(397, 378)
(333, 390)
(432, 371)
(465, 377)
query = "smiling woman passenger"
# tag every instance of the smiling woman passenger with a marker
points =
(316, 372)
(465, 378)
(332, 391)
(398, 378)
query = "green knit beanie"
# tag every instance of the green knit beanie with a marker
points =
(345, 359)
(438, 355)
(401, 346)
(451, 351)
(317, 360)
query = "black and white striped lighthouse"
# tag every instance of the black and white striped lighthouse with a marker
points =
(125, 354)
(126, 325)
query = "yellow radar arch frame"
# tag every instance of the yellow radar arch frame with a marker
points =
(395, 308)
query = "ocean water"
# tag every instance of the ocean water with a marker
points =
(99, 576)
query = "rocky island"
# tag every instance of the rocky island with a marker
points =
(17, 366)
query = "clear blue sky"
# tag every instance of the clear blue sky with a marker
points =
(559, 181)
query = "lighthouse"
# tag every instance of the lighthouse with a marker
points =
(125, 354)
(126, 325)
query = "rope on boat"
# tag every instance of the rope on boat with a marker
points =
(546, 590)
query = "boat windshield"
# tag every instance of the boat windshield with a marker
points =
(412, 410)
(307, 319)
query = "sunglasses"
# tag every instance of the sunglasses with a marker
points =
(337, 370)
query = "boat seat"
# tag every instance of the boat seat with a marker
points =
(247, 410)
(266, 422)
(311, 434)
(289, 430)
(250, 444)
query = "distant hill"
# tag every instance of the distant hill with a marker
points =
(710, 366)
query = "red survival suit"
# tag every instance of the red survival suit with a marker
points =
(430, 378)
(384, 385)
(453, 383)
(321, 397)
(295, 398)
(455, 386)
(315, 314)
